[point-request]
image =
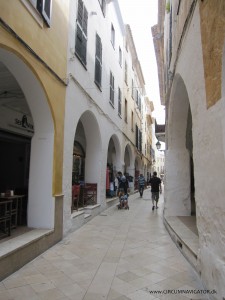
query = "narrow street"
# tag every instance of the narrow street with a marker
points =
(120, 254)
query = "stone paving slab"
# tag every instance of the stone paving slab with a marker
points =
(118, 255)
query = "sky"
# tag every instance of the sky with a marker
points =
(141, 15)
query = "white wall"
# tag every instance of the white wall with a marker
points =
(209, 159)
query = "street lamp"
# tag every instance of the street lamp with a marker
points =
(158, 145)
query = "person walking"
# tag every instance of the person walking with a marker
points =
(123, 183)
(141, 184)
(156, 188)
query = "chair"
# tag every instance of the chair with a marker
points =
(75, 197)
(5, 217)
(90, 194)
(14, 212)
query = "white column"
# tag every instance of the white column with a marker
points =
(177, 187)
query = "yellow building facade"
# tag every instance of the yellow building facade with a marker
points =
(33, 49)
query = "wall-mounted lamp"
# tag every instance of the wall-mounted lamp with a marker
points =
(158, 145)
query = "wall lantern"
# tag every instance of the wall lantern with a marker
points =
(158, 145)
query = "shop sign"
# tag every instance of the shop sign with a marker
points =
(24, 124)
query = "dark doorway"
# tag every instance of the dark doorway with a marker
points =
(14, 165)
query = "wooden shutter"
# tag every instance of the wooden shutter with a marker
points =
(104, 6)
(136, 135)
(98, 61)
(137, 95)
(45, 9)
(111, 88)
(119, 101)
(81, 34)
(80, 12)
(85, 21)
(139, 103)
(140, 140)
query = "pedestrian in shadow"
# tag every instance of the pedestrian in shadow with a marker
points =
(141, 184)
(156, 188)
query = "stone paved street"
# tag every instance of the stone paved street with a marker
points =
(118, 255)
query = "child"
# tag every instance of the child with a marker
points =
(123, 198)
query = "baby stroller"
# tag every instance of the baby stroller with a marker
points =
(123, 198)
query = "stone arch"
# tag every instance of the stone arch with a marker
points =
(179, 162)
(116, 152)
(128, 159)
(41, 206)
(93, 147)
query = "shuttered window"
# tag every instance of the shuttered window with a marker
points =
(120, 56)
(125, 75)
(125, 111)
(140, 141)
(138, 138)
(98, 61)
(112, 35)
(45, 9)
(119, 102)
(111, 96)
(103, 5)
(139, 103)
(132, 88)
(81, 34)
(137, 97)
(132, 121)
